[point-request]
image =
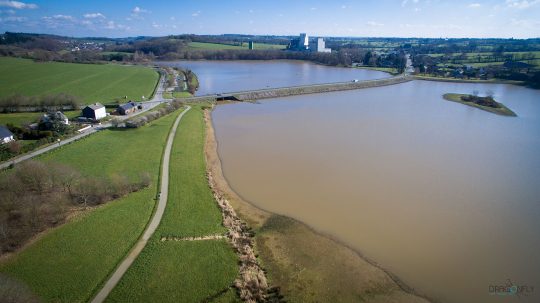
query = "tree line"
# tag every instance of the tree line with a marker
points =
(18, 102)
(35, 196)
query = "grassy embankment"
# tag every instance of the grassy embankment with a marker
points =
(92, 82)
(308, 266)
(184, 271)
(218, 46)
(501, 109)
(69, 263)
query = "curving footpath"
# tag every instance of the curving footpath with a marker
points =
(154, 223)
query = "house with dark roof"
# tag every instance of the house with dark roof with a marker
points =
(94, 111)
(126, 109)
(5, 135)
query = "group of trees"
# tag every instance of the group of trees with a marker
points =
(394, 59)
(35, 196)
(18, 102)
(142, 120)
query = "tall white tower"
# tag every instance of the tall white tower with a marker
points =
(304, 41)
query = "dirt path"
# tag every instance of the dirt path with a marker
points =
(154, 223)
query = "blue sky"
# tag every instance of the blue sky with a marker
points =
(382, 18)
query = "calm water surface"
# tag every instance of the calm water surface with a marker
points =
(444, 195)
(233, 76)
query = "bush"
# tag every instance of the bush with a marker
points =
(153, 115)
(35, 196)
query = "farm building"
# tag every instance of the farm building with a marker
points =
(126, 109)
(5, 135)
(94, 111)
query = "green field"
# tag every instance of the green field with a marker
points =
(218, 46)
(171, 95)
(178, 272)
(191, 210)
(69, 263)
(92, 82)
(19, 119)
(183, 271)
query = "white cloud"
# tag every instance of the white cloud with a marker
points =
(137, 10)
(63, 17)
(113, 25)
(344, 6)
(373, 23)
(94, 16)
(18, 5)
(8, 12)
(313, 8)
(404, 2)
(521, 4)
(196, 14)
(526, 23)
(416, 9)
(12, 19)
(474, 5)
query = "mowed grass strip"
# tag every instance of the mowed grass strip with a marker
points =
(191, 208)
(92, 82)
(178, 271)
(69, 263)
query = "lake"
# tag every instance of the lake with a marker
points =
(444, 195)
(233, 76)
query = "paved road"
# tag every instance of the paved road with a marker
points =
(148, 105)
(154, 223)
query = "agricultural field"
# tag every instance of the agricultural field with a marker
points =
(218, 46)
(482, 59)
(69, 263)
(91, 82)
(184, 271)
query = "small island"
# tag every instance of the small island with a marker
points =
(485, 103)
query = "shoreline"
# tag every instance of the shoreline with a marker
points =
(388, 286)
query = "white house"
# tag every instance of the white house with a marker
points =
(94, 111)
(5, 135)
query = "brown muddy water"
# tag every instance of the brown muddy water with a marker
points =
(233, 76)
(445, 196)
